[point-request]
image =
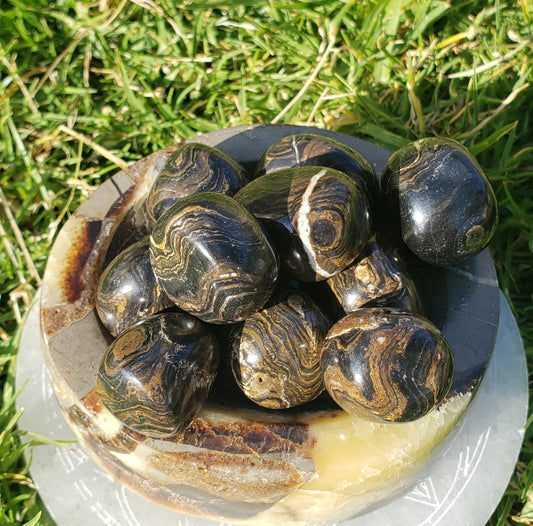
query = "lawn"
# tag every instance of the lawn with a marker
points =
(89, 87)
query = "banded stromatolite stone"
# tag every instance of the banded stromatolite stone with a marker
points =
(387, 365)
(275, 355)
(157, 374)
(378, 279)
(191, 169)
(213, 259)
(128, 290)
(318, 218)
(446, 206)
(307, 149)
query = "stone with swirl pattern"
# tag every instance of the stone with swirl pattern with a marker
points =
(275, 354)
(191, 169)
(128, 291)
(213, 259)
(157, 374)
(446, 207)
(386, 365)
(308, 149)
(318, 218)
(379, 278)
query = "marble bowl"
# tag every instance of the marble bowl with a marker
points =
(242, 464)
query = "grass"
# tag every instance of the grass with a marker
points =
(88, 87)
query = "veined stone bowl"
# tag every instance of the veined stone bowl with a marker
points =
(236, 462)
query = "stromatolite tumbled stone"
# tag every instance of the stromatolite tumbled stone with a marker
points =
(446, 206)
(128, 290)
(386, 364)
(275, 355)
(213, 259)
(191, 169)
(307, 149)
(157, 374)
(380, 278)
(318, 218)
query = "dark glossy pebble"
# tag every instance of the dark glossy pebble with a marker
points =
(379, 278)
(128, 291)
(191, 169)
(446, 206)
(157, 374)
(318, 218)
(276, 353)
(314, 150)
(213, 259)
(386, 365)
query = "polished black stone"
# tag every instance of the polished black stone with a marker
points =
(386, 364)
(276, 353)
(128, 290)
(446, 206)
(213, 259)
(379, 278)
(157, 374)
(318, 218)
(191, 169)
(307, 149)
